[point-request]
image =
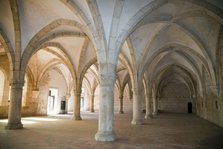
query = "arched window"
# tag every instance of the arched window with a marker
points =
(2, 82)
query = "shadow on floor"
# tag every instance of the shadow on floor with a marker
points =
(214, 142)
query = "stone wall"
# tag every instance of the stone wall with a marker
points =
(174, 98)
(4, 67)
(211, 104)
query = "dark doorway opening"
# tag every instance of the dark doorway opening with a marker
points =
(189, 107)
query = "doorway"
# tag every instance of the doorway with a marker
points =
(52, 98)
(189, 107)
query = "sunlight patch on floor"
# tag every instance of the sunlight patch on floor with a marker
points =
(32, 120)
(23, 121)
(40, 119)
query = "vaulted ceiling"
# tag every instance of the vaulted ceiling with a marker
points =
(155, 39)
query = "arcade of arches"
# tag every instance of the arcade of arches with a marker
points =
(111, 56)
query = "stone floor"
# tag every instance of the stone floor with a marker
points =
(165, 131)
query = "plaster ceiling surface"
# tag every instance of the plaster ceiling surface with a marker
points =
(120, 66)
(39, 61)
(43, 56)
(83, 5)
(218, 3)
(148, 39)
(205, 30)
(66, 28)
(55, 50)
(125, 51)
(173, 35)
(89, 54)
(150, 32)
(173, 59)
(184, 26)
(121, 71)
(129, 10)
(173, 9)
(66, 73)
(122, 75)
(90, 77)
(73, 47)
(94, 68)
(43, 12)
(46, 59)
(141, 39)
(6, 22)
(174, 74)
(106, 9)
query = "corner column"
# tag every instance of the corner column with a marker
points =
(121, 104)
(155, 106)
(92, 103)
(77, 97)
(14, 118)
(148, 106)
(137, 107)
(106, 105)
(67, 98)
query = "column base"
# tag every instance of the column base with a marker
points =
(14, 126)
(77, 118)
(63, 112)
(137, 122)
(92, 111)
(105, 136)
(121, 112)
(155, 113)
(148, 116)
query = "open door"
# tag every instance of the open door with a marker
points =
(52, 99)
(189, 107)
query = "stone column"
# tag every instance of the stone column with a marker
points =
(106, 108)
(14, 118)
(155, 106)
(92, 103)
(121, 104)
(77, 97)
(148, 106)
(67, 98)
(137, 109)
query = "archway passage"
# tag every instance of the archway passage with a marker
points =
(175, 98)
(189, 107)
(48, 73)
(175, 90)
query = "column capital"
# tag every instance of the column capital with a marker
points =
(14, 83)
(68, 95)
(77, 92)
(107, 79)
(136, 91)
(121, 97)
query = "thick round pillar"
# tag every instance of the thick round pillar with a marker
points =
(155, 106)
(148, 107)
(106, 108)
(77, 97)
(14, 118)
(121, 104)
(137, 107)
(92, 103)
